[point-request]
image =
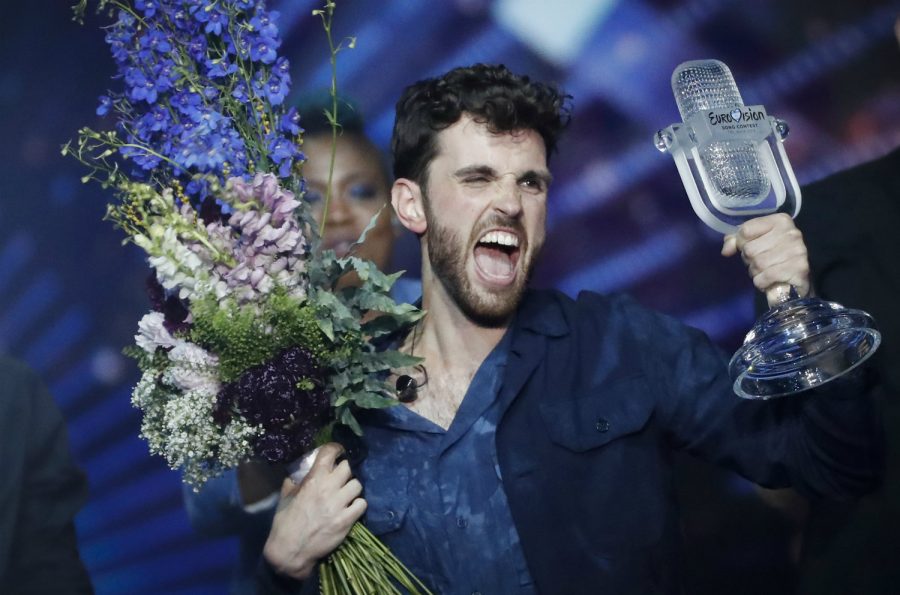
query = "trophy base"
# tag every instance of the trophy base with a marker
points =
(801, 344)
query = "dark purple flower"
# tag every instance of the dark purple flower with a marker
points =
(286, 397)
(173, 309)
(211, 211)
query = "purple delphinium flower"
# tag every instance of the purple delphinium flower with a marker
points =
(290, 122)
(148, 7)
(286, 396)
(262, 49)
(105, 105)
(180, 63)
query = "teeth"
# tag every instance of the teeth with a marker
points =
(503, 238)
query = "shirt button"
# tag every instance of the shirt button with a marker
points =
(476, 592)
(391, 515)
(602, 425)
(461, 522)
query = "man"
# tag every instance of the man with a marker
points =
(40, 494)
(536, 457)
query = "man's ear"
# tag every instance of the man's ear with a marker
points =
(406, 198)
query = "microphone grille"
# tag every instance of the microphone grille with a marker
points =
(700, 85)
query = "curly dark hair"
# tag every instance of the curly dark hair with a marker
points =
(490, 93)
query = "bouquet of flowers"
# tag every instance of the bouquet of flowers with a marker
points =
(250, 351)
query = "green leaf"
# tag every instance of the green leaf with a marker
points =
(326, 327)
(392, 323)
(349, 420)
(388, 360)
(369, 400)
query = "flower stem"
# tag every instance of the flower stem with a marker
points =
(363, 565)
(327, 16)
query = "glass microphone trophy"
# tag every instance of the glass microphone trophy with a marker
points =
(733, 165)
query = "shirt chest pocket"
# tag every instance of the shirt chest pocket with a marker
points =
(600, 416)
(384, 517)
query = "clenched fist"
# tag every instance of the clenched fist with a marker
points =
(772, 248)
(314, 517)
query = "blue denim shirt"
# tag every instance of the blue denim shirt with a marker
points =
(435, 497)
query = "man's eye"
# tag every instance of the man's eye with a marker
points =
(475, 180)
(534, 184)
(313, 196)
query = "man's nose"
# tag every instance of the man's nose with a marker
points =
(509, 197)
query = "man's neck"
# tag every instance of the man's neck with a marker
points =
(453, 347)
(450, 339)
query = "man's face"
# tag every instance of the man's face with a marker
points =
(485, 209)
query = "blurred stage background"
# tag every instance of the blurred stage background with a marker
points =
(70, 296)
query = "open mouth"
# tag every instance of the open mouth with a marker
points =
(496, 256)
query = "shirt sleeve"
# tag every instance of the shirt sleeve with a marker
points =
(216, 508)
(826, 442)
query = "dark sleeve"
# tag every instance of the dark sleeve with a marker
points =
(269, 582)
(826, 442)
(42, 554)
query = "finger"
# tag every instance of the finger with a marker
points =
(342, 473)
(351, 490)
(328, 454)
(729, 245)
(779, 275)
(790, 257)
(777, 294)
(782, 241)
(288, 489)
(760, 226)
(352, 513)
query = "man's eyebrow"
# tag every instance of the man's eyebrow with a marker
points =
(484, 170)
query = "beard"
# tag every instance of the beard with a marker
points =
(447, 254)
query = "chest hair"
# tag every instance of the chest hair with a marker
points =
(439, 399)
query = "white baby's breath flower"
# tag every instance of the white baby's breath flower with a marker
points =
(192, 368)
